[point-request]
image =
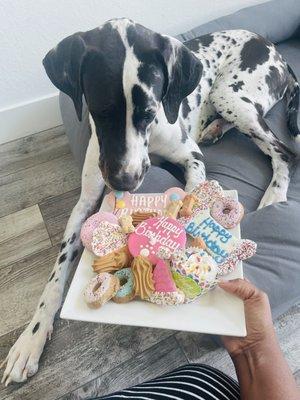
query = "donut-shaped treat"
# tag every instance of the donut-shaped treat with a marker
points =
(227, 212)
(101, 289)
(126, 291)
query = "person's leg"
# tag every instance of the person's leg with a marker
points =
(192, 381)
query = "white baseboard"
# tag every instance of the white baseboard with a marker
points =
(26, 118)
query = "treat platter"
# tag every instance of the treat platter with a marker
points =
(214, 311)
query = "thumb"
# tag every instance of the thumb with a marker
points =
(239, 287)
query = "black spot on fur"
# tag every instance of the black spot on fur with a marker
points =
(209, 80)
(198, 99)
(156, 120)
(254, 52)
(233, 41)
(246, 99)
(237, 86)
(207, 63)
(223, 47)
(141, 102)
(219, 53)
(51, 277)
(276, 83)
(63, 245)
(275, 184)
(196, 155)
(35, 328)
(259, 108)
(184, 135)
(56, 280)
(62, 258)
(229, 112)
(235, 76)
(42, 304)
(73, 238)
(258, 87)
(206, 40)
(74, 255)
(186, 109)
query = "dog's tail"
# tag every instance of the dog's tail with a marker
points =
(292, 96)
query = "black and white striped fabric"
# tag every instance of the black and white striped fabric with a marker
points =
(193, 381)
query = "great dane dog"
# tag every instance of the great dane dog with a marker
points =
(148, 94)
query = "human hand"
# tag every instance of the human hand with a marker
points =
(260, 329)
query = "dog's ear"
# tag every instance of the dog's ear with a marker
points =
(63, 66)
(183, 71)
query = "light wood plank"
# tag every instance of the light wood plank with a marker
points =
(159, 359)
(201, 348)
(21, 285)
(37, 183)
(22, 233)
(33, 150)
(56, 211)
(78, 353)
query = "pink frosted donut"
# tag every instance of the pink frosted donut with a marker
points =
(86, 233)
(227, 212)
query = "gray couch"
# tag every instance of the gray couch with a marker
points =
(238, 164)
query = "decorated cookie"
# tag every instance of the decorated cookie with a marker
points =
(92, 223)
(225, 248)
(107, 238)
(125, 203)
(227, 212)
(162, 278)
(167, 298)
(101, 289)
(206, 193)
(188, 205)
(189, 287)
(126, 291)
(126, 224)
(153, 233)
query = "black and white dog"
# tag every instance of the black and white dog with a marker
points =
(149, 94)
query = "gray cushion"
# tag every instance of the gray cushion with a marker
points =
(238, 164)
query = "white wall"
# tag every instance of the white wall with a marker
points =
(29, 28)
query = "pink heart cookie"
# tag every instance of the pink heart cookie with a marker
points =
(86, 233)
(162, 278)
(107, 238)
(151, 234)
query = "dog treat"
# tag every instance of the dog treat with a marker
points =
(245, 250)
(138, 217)
(162, 278)
(125, 203)
(196, 264)
(167, 298)
(207, 192)
(188, 286)
(187, 206)
(126, 224)
(126, 291)
(198, 242)
(153, 233)
(86, 233)
(227, 212)
(113, 261)
(101, 289)
(107, 238)
(142, 275)
(173, 208)
(220, 243)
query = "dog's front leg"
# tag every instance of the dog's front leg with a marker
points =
(172, 145)
(23, 358)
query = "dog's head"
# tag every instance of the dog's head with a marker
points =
(125, 72)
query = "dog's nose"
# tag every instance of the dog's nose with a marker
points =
(125, 182)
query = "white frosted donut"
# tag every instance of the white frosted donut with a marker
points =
(100, 289)
(227, 212)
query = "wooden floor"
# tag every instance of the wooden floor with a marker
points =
(39, 185)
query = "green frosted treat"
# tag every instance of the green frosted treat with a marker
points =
(189, 287)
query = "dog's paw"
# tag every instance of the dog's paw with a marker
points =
(22, 360)
(272, 196)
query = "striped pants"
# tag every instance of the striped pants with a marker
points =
(193, 381)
